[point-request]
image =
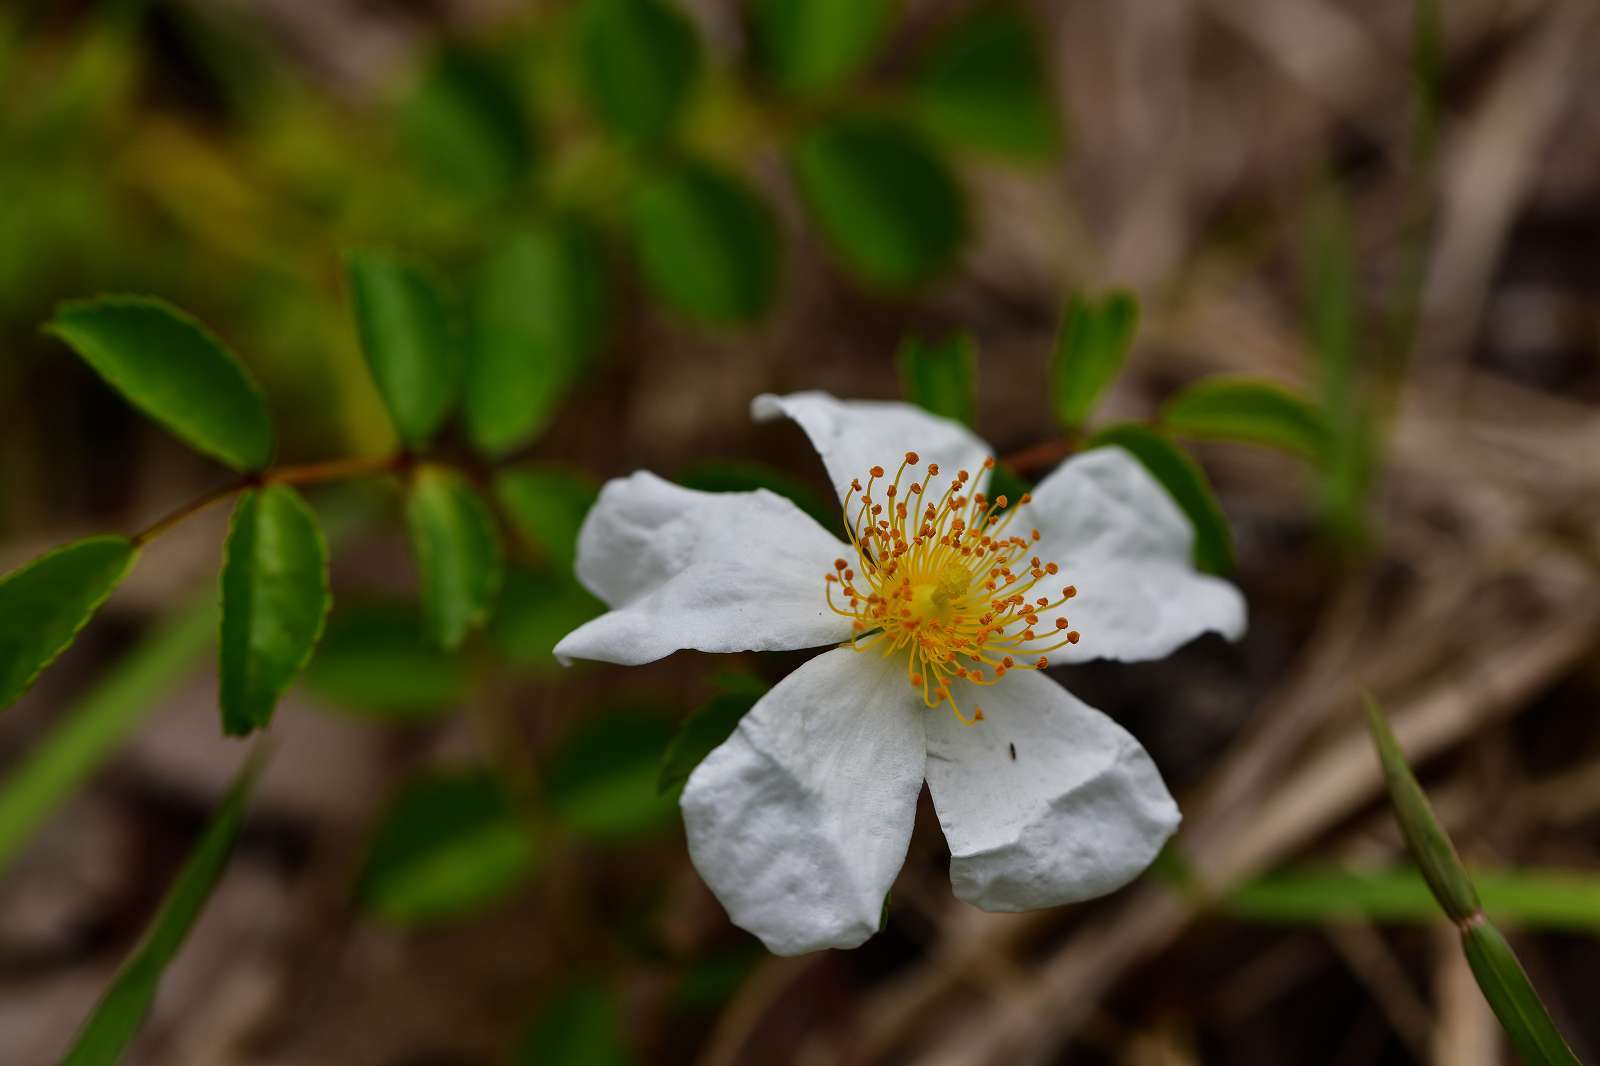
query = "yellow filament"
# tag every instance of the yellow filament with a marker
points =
(941, 583)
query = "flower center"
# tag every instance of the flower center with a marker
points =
(937, 578)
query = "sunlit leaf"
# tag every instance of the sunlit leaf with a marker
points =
(44, 604)
(90, 729)
(467, 127)
(274, 599)
(601, 783)
(807, 46)
(1245, 409)
(172, 368)
(537, 319)
(886, 203)
(983, 86)
(581, 1026)
(535, 610)
(1091, 348)
(699, 733)
(546, 505)
(458, 553)
(405, 332)
(117, 1017)
(375, 659)
(941, 377)
(1183, 479)
(640, 59)
(449, 845)
(708, 246)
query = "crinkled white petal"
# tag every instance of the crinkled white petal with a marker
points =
(853, 436)
(1126, 547)
(1044, 802)
(715, 571)
(799, 821)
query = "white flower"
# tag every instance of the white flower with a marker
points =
(943, 614)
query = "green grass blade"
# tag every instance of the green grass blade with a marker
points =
(93, 729)
(1504, 983)
(1512, 997)
(117, 1017)
(1563, 900)
(1429, 845)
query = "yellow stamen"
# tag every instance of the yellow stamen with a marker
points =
(942, 584)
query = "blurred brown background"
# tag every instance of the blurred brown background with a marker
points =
(222, 152)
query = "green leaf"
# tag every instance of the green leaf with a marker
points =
(941, 377)
(581, 1026)
(90, 730)
(458, 553)
(640, 59)
(1183, 479)
(743, 475)
(375, 659)
(117, 1017)
(1091, 349)
(449, 845)
(536, 609)
(274, 600)
(1512, 997)
(538, 318)
(167, 364)
(44, 604)
(546, 506)
(405, 332)
(601, 783)
(701, 732)
(1561, 900)
(810, 46)
(1347, 475)
(886, 203)
(983, 86)
(708, 246)
(467, 128)
(1256, 412)
(1429, 845)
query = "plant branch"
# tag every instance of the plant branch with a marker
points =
(307, 474)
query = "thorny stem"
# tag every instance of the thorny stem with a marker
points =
(307, 474)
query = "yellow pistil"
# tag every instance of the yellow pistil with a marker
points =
(937, 578)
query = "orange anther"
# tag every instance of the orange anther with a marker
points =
(839, 564)
(1051, 568)
(1072, 637)
(1070, 591)
(876, 471)
(988, 464)
(911, 458)
(1043, 661)
(1061, 623)
(933, 469)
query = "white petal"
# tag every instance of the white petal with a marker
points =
(1127, 548)
(799, 821)
(716, 571)
(853, 436)
(1044, 802)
